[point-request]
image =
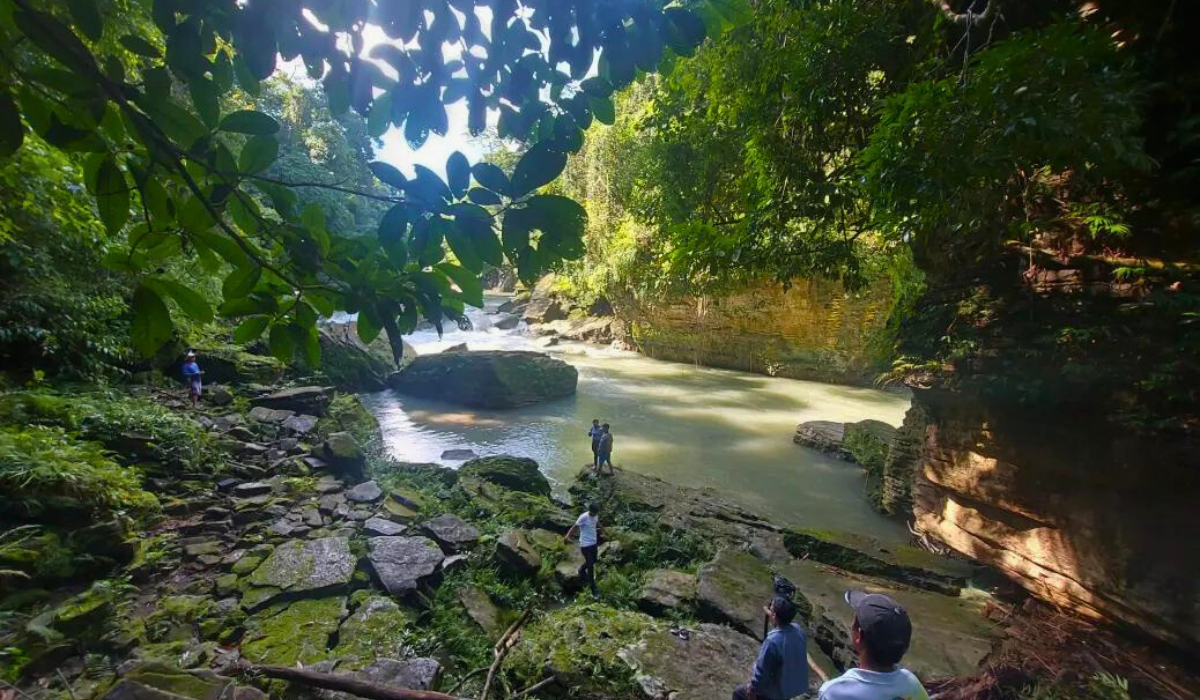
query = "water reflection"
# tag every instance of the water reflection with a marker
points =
(690, 425)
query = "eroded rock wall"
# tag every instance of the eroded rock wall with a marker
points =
(813, 330)
(1079, 512)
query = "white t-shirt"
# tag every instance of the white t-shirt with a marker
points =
(587, 529)
(859, 684)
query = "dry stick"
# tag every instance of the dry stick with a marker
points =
(505, 645)
(535, 687)
(345, 684)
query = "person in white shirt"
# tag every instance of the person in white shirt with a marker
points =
(588, 526)
(880, 636)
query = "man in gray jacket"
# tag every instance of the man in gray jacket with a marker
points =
(781, 671)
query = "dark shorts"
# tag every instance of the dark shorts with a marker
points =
(605, 457)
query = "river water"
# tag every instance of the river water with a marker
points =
(691, 425)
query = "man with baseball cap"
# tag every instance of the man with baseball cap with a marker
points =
(880, 636)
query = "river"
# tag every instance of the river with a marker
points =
(691, 425)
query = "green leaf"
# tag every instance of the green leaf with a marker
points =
(491, 177)
(244, 77)
(539, 166)
(136, 44)
(597, 87)
(177, 122)
(191, 301)
(388, 174)
(368, 325)
(157, 202)
(12, 132)
(151, 326)
(380, 116)
(241, 282)
(282, 342)
(458, 174)
(603, 110)
(467, 281)
(459, 238)
(258, 154)
(86, 17)
(249, 330)
(112, 195)
(248, 121)
(484, 197)
(206, 99)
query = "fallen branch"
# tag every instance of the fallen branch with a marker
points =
(534, 688)
(345, 684)
(968, 18)
(505, 645)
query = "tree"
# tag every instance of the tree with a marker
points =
(108, 79)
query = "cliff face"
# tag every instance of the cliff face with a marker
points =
(1080, 513)
(1058, 441)
(814, 330)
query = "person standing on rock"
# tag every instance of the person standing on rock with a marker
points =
(595, 433)
(588, 526)
(191, 375)
(606, 447)
(781, 671)
(880, 636)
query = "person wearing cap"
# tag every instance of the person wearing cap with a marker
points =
(781, 671)
(880, 636)
(191, 375)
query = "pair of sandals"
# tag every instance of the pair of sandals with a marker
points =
(681, 633)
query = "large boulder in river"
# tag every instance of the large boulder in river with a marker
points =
(487, 379)
(821, 435)
(517, 473)
(348, 364)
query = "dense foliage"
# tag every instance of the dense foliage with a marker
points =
(155, 99)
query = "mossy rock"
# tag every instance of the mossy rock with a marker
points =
(517, 473)
(86, 614)
(230, 364)
(733, 588)
(487, 379)
(347, 414)
(516, 507)
(348, 365)
(196, 684)
(860, 554)
(376, 628)
(299, 632)
(581, 646)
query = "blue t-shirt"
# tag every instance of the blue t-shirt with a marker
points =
(191, 370)
(781, 671)
(595, 433)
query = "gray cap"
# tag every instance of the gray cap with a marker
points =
(882, 620)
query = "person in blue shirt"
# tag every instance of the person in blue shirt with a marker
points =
(595, 433)
(781, 671)
(191, 375)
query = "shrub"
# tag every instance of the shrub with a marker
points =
(106, 416)
(46, 470)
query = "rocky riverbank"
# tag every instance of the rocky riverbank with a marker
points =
(306, 547)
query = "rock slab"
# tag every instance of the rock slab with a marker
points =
(733, 588)
(404, 564)
(306, 566)
(515, 552)
(517, 473)
(707, 666)
(451, 532)
(666, 590)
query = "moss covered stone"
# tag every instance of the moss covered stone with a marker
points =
(487, 379)
(303, 567)
(733, 588)
(517, 473)
(706, 666)
(581, 646)
(376, 628)
(293, 633)
(230, 364)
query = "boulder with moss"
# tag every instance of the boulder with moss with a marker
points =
(291, 633)
(488, 378)
(705, 666)
(230, 364)
(347, 414)
(517, 473)
(301, 567)
(376, 628)
(349, 365)
(733, 588)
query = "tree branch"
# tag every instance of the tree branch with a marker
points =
(968, 17)
(346, 684)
